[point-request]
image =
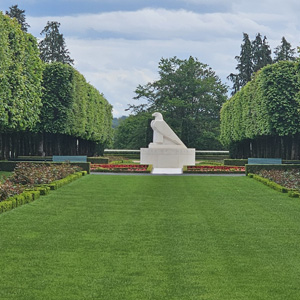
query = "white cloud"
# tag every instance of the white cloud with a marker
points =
(117, 51)
(154, 24)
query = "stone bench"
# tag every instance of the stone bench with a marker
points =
(71, 158)
(264, 161)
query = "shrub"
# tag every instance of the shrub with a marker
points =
(9, 189)
(32, 174)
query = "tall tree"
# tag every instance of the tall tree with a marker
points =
(244, 66)
(19, 14)
(261, 53)
(189, 95)
(284, 51)
(53, 47)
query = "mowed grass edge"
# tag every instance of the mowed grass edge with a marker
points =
(153, 237)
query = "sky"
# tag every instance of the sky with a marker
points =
(117, 44)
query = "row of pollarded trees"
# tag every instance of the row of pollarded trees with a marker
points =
(46, 108)
(263, 118)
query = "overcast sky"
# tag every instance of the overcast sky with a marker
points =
(117, 44)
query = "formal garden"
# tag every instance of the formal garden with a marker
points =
(78, 224)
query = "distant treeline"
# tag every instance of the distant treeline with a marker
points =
(46, 109)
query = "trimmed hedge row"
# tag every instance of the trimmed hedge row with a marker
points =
(266, 106)
(98, 160)
(275, 186)
(30, 195)
(269, 183)
(235, 162)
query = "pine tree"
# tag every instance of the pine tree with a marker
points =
(19, 14)
(245, 65)
(261, 53)
(284, 51)
(53, 47)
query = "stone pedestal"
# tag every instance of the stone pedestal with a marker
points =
(167, 160)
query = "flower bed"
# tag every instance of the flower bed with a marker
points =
(119, 168)
(215, 169)
(144, 168)
(29, 175)
(289, 179)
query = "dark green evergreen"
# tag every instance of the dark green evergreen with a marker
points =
(284, 51)
(245, 65)
(53, 47)
(261, 53)
(19, 14)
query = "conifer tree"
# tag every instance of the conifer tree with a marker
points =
(53, 47)
(245, 65)
(284, 51)
(19, 14)
(261, 53)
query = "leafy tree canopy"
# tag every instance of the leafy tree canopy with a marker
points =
(190, 96)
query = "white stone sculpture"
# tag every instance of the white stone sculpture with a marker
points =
(163, 135)
(167, 154)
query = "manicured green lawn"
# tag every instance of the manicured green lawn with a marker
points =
(153, 237)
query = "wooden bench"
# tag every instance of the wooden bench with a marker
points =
(264, 161)
(74, 158)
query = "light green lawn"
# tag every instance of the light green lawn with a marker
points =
(153, 237)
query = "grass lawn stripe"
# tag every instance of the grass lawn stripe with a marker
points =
(160, 237)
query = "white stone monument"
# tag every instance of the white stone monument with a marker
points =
(167, 154)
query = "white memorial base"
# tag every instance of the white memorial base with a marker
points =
(167, 160)
(167, 171)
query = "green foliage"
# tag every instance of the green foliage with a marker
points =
(133, 132)
(254, 56)
(19, 14)
(261, 53)
(284, 51)
(189, 95)
(20, 77)
(268, 105)
(98, 160)
(72, 106)
(52, 47)
(269, 183)
(235, 162)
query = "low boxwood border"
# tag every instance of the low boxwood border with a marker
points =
(30, 195)
(292, 193)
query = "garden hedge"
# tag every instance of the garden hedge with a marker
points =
(262, 119)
